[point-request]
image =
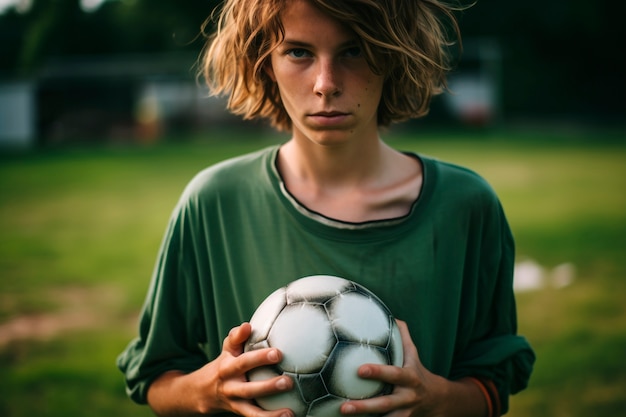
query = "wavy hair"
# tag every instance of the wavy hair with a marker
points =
(405, 41)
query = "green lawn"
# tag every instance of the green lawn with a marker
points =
(80, 228)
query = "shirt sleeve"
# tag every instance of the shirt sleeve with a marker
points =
(495, 351)
(169, 327)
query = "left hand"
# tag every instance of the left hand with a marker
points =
(417, 391)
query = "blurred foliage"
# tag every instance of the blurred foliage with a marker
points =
(559, 58)
(58, 28)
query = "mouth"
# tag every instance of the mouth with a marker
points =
(329, 114)
(329, 119)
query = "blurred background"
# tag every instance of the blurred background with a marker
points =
(103, 121)
(85, 70)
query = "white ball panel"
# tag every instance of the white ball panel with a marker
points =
(303, 334)
(290, 399)
(316, 286)
(265, 315)
(344, 380)
(262, 373)
(360, 318)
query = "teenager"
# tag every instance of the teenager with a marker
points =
(428, 237)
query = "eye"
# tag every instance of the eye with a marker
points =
(297, 53)
(353, 52)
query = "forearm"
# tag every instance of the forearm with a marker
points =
(466, 398)
(172, 395)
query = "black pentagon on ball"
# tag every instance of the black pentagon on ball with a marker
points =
(311, 386)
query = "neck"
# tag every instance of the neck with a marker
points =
(373, 183)
(335, 166)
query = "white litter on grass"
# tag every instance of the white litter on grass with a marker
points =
(563, 275)
(529, 275)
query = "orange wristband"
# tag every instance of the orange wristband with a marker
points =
(483, 389)
(495, 397)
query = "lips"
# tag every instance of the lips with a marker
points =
(329, 114)
(329, 119)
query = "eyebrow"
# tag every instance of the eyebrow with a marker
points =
(293, 42)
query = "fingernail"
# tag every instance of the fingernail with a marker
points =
(349, 409)
(282, 384)
(272, 355)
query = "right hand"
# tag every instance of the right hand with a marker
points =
(221, 385)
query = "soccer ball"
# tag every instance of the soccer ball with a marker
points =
(325, 327)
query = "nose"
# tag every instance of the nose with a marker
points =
(327, 83)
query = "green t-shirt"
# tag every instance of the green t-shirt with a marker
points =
(237, 235)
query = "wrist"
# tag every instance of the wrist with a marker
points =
(174, 394)
(465, 398)
(490, 395)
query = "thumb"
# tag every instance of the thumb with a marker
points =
(236, 338)
(410, 351)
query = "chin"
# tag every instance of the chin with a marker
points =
(328, 137)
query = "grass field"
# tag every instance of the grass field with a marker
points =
(80, 228)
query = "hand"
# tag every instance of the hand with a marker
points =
(231, 388)
(417, 391)
(221, 385)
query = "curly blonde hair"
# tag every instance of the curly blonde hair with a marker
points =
(405, 41)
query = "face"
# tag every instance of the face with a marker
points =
(325, 83)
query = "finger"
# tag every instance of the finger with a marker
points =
(233, 343)
(239, 365)
(248, 408)
(255, 389)
(386, 373)
(407, 341)
(377, 405)
(393, 405)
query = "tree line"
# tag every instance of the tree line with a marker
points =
(559, 57)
